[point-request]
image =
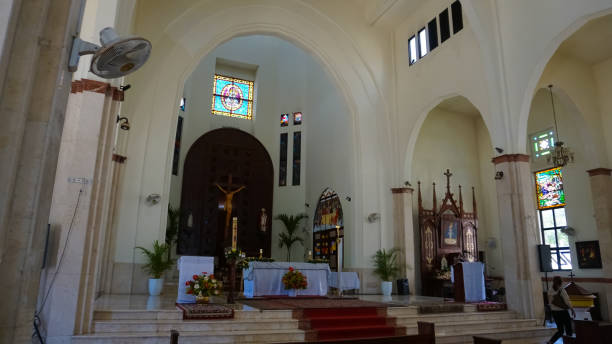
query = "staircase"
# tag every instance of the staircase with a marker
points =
(460, 327)
(270, 326)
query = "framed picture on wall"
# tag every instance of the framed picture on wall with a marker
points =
(588, 254)
(449, 232)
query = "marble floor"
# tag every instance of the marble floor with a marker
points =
(166, 301)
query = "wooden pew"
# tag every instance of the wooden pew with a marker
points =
(592, 332)
(427, 335)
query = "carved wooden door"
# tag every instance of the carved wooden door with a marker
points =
(225, 156)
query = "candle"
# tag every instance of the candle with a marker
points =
(260, 253)
(234, 233)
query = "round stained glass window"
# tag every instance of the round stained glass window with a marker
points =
(231, 97)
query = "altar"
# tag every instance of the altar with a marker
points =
(189, 266)
(265, 278)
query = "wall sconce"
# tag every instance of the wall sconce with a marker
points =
(124, 123)
(153, 199)
(499, 175)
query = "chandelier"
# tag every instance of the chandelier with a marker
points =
(560, 155)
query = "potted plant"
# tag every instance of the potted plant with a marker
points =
(386, 268)
(294, 280)
(156, 265)
(172, 227)
(203, 286)
(289, 237)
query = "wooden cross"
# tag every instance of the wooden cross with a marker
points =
(229, 183)
(448, 174)
(571, 275)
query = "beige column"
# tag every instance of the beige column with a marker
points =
(34, 89)
(601, 191)
(403, 231)
(519, 235)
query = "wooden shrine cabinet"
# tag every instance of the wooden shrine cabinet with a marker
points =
(447, 233)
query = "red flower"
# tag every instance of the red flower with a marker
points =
(195, 277)
(290, 268)
(187, 283)
(212, 276)
(189, 291)
(204, 273)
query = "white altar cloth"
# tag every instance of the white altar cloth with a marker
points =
(350, 280)
(189, 266)
(265, 278)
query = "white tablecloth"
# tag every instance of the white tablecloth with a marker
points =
(189, 266)
(349, 281)
(263, 278)
(473, 281)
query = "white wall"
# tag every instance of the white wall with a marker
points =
(459, 142)
(287, 80)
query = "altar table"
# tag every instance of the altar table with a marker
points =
(265, 278)
(349, 280)
(189, 266)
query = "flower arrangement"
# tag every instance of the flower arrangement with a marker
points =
(232, 254)
(318, 261)
(294, 279)
(203, 285)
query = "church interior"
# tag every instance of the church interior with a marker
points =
(277, 171)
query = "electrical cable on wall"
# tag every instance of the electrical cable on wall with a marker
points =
(37, 320)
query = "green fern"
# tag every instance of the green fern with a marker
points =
(290, 237)
(156, 264)
(172, 227)
(385, 264)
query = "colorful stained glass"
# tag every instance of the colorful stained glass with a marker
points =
(284, 120)
(543, 143)
(232, 97)
(549, 188)
(297, 118)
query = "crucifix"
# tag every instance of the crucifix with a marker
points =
(448, 174)
(229, 195)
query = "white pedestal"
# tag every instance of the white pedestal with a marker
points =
(189, 266)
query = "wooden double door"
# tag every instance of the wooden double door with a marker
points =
(231, 158)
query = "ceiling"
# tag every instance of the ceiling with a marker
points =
(389, 13)
(592, 43)
(460, 105)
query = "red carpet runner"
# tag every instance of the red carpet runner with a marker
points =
(323, 324)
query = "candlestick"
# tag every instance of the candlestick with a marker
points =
(309, 254)
(234, 233)
(260, 253)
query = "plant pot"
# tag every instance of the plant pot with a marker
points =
(292, 292)
(155, 286)
(202, 299)
(386, 288)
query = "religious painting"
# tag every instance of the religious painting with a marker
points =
(284, 120)
(588, 254)
(549, 188)
(232, 97)
(450, 231)
(297, 118)
(328, 224)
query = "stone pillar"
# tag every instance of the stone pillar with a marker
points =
(601, 191)
(34, 90)
(403, 233)
(519, 235)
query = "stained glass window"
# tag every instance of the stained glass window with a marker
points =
(182, 106)
(282, 169)
(284, 120)
(549, 188)
(297, 118)
(232, 97)
(542, 143)
(297, 156)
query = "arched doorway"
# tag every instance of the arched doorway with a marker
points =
(327, 224)
(230, 158)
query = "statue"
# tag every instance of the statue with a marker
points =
(263, 220)
(229, 195)
(443, 264)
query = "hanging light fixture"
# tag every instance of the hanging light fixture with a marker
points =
(560, 155)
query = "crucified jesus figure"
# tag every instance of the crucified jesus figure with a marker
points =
(228, 204)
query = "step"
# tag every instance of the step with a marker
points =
(193, 337)
(503, 334)
(139, 326)
(138, 314)
(340, 312)
(353, 321)
(450, 317)
(356, 332)
(457, 328)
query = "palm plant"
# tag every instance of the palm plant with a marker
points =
(172, 227)
(156, 264)
(385, 264)
(290, 237)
